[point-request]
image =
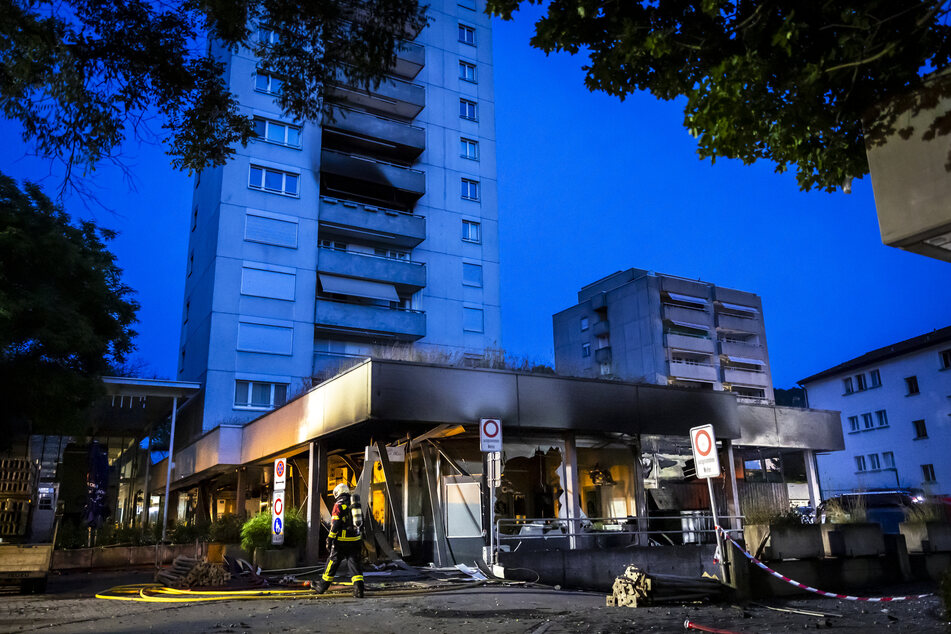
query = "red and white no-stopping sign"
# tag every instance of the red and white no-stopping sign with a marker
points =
(490, 434)
(704, 445)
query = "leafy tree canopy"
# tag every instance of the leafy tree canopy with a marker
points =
(789, 81)
(78, 75)
(65, 315)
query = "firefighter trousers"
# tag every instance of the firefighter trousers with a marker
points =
(352, 553)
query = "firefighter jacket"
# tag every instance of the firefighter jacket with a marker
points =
(342, 526)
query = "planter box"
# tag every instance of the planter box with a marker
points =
(784, 542)
(853, 540)
(926, 537)
(275, 559)
(122, 556)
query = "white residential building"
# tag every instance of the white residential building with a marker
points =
(895, 403)
(322, 241)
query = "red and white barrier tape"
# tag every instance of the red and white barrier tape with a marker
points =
(834, 595)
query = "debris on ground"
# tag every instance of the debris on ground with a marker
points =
(637, 588)
(189, 572)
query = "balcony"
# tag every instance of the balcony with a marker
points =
(683, 342)
(745, 377)
(603, 355)
(367, 178)
(688, 315)
(403, 273)
(740, 349)
(354, 220)
(372, 323)
(362, 132)
(737, 324)
(601, 328)
(693, 371)
(410, 59)
(391, 97)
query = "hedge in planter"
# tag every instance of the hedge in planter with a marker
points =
(256, 532)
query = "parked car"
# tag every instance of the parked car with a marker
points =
(887, 508)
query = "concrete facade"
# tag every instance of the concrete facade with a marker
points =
(644, 326)
(320, 241)
(895, 404)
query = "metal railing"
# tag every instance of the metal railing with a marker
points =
(687, 528)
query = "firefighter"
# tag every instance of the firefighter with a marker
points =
(345, 541)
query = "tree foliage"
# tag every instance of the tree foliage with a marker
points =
(65, 314)
(783, 80)
(79, 75)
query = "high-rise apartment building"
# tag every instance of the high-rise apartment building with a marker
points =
(643, 326)
(376, 226)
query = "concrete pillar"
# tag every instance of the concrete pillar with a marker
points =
(812, 477)
(733, 503)
(572, 494)
(316, 488)
(241, 488)
(640, 495)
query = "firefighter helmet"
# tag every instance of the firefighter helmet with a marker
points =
(340, 489)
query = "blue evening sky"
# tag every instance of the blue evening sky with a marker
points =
(589, 185)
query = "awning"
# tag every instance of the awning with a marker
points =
(745, 360)
(687, 324)
(742, 309)
(358, 288)
(687, 299)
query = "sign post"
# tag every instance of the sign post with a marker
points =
(490, 442)
(707, 460)
(277, 502)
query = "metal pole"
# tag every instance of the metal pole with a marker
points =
(168, 471)
(493, 559)
(147, 495)
(716, 522)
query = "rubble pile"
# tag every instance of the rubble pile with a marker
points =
(637, 588)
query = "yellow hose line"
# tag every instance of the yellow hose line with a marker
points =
(150, 593)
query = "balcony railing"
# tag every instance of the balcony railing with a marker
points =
(350, 129)
(349, 219)
(372, 267)
(380, 173)
(335, 318)
(391, 96)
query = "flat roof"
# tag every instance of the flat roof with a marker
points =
(884, 353)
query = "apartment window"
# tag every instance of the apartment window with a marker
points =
(847, 384)
(259, 395)
(867, 420)
(393, 254)
(875, 378)
(471, 231)
(467, 71)
(584, 324)
(333, 244)
(853, 423)
(467, 110)
(470, 189)
(472, 320)
(467, 35)
(469, 149)
(605, 369)
(860, 382)
(471, 274)
(188, 306)
(921, 430)
(927, 472)
(888, 459)
(873, 461)
(911, 385)
(860, 463)
(882, 418)
(272, 180)
(191, 263)
(267, 36)
(946, 359)
(586, 350)
(269, 84)
(276, 132)
(195, 219)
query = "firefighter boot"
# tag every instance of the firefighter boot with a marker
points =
(321, 586)
(358, 589)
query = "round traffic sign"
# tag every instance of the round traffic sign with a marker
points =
(490, 427)
(278, 525)
(278, 506)
(703, 442)
(279, 468)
